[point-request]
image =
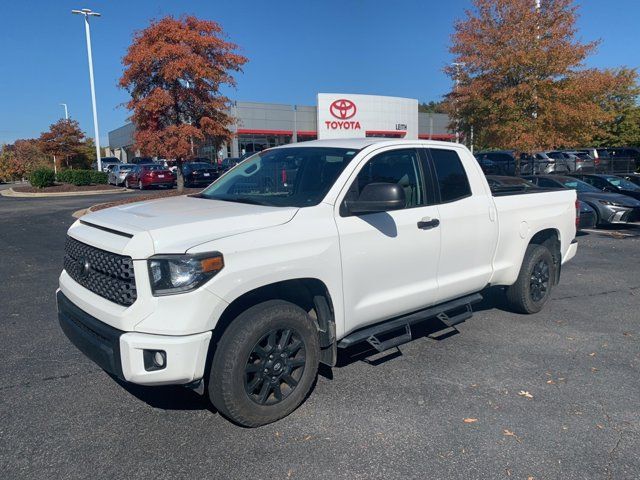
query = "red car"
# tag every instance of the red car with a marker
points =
(149, 175)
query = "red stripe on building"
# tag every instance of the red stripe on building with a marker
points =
(394, 133)
(437, 136)
(242, 131)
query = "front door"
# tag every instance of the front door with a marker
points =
(389, 261)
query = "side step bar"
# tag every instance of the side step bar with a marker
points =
(399, 329)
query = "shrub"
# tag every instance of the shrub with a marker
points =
(42, 177)
(64, 176)
(81, 177)
(98, 178)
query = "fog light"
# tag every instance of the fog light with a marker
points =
(158, 359)
(154, 360)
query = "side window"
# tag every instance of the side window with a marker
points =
(450, 175)
(395, 166)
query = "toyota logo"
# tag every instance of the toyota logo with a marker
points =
(343, 109)
(84, 266)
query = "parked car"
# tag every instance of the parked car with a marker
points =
(149, 175)
(256, 283)
(611, 208)
(503, 183)
(228, 163)
(106, 163)
(541, 163)
(612, 183)
(573, 160)
(118, 173)
(499, 162)
(197, 174)
(140, 160)
(588, 218)
(600, 158)
(616, 160)
(631, 177)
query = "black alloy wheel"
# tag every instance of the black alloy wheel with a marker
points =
(275, 366)
(539, 284)
(537, 276)
(265, 363)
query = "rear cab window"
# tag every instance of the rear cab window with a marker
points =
(450, 176)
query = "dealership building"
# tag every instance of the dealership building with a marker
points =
(336, 115)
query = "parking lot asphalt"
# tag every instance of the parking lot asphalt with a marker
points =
(549, 396)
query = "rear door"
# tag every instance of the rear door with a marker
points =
(468, 224)
(389, 259)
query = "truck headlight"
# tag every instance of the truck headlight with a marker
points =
(171, 274)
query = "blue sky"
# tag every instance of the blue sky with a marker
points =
(296, 49)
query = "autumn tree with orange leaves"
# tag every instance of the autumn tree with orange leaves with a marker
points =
(522, 80)
(174, 70)
(63, 141)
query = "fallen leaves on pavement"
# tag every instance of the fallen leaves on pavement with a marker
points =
(524, 393)
(470, 420)
(509, 433)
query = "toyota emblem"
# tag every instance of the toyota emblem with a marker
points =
(84, 266)
(343, 109)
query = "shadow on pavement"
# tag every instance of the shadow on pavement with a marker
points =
(175, 397)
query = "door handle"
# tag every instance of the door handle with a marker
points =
(427, 223)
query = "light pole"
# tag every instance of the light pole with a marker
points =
(66, 111)
(457, 66)
(86, 12)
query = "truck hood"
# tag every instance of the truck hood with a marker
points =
(177, 224)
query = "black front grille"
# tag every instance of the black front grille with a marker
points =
(107, 274)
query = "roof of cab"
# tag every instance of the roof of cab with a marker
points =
(360, 143)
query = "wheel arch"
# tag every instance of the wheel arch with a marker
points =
(550, 238)
(310, 294)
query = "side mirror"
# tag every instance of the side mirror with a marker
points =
(378, 197)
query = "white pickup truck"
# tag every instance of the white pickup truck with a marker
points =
(301, 250)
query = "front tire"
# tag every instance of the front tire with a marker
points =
(533, 286)
(265, 364)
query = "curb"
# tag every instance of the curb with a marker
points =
(10, 192)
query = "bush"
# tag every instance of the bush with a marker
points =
(81, 177)
(42, 177)
(98, 178)
(64, 176)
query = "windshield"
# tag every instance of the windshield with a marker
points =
(622, 183)
(152, 167)
(578, 185)
(125, 167)
(283, 177)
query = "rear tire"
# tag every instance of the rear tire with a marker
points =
(533, 286)
(265, 364)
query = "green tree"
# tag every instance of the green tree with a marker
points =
(432, 107)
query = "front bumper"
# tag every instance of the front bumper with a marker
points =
(122, 353)
(623, 214)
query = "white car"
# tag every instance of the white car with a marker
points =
(118, 173)
(301, 250)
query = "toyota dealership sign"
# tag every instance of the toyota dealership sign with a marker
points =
(342, 116)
